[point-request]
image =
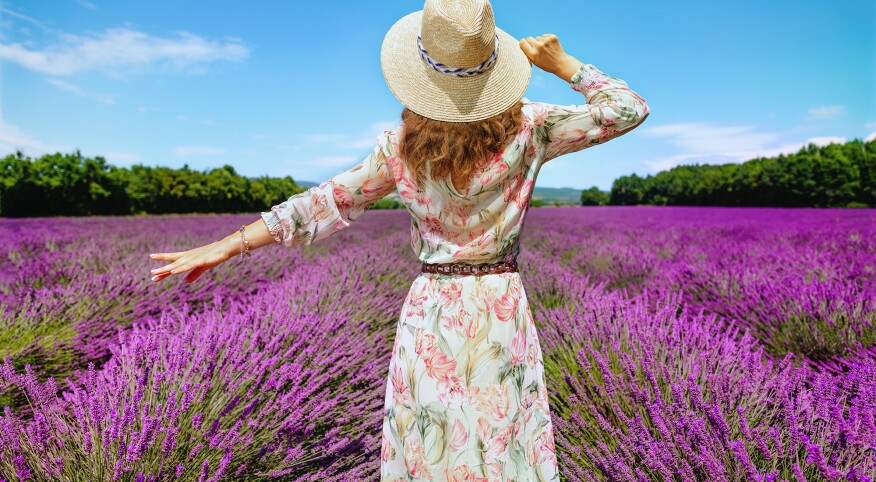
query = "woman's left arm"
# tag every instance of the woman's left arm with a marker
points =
(304, 218)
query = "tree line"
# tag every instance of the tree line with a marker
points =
(73, 185)
(835, 175)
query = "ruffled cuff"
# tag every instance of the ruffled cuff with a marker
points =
(589, 79)
(306, 217)
(273, 224)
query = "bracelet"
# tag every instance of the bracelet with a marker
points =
(244, 243)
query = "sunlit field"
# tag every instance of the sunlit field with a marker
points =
(680, 344)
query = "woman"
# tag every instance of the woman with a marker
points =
(465, 396)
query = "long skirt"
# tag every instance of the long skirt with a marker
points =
(465, 394)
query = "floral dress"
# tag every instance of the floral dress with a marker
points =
(465, 395)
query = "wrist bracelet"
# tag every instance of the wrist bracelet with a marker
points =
(244, 243)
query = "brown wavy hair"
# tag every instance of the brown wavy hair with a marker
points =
(455, 149)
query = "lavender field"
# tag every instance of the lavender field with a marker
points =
(680, 344)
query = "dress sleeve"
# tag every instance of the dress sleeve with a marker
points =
(612, 109)
(322, 210)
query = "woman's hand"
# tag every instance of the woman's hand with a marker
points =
(546, 53)
(195, 260)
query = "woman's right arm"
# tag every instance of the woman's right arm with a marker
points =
(611, 107)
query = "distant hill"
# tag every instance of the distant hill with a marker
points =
(563, 195)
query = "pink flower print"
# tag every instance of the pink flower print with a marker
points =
(422, 197)
(519, 425)
(415, 301)
(494, 470)
(458, 435)
(433, 230)
(461, 473)
(539, 113)
(469, 323)
(450, 295)
(484, 428)
(406, 188)
(397, 167)
(514, 287)
(321, 208)
(532, 355)
(425, 344)
(343, 197)
(493, 400)
(542, 400)
(439, 366)
(568, 143)
(525, 132)
(479, 246)
(505, 307)
(387, 451)
(400, 391)
(461, 322)
(511, 186)
(517, 350)
(451, 322)
(496, 447)
(492, 170)
(375, 187)
(527, 405)
(545, 444)
(458, 211)
(451, 392)
(482, 296)
(415, 459)
(523, 195)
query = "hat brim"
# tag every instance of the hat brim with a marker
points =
(446, 97)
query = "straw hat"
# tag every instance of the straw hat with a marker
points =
(450, 62)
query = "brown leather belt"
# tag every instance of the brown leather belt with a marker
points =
(467, 269)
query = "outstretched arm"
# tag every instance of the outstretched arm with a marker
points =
(611, 109)
(304, 218)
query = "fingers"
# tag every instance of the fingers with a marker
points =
(166, 256)
(195, 274)
(528, 48)
(168, 268)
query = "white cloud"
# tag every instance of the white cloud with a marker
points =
(86, 4)
(12, 138)
(826, 112)
(702, 143)
(870, 125)
(198, 151)
(24, 17)
(102, 98)
(120, 51)
(870, 137)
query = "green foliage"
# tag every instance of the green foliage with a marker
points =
(73, 185)
(836, 175)
(594, 197)
(536, 202)
(387, 204)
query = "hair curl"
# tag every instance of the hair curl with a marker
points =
(455, 149)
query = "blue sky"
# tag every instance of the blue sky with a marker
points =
(295, 88)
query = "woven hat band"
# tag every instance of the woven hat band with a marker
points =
(458, 71)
